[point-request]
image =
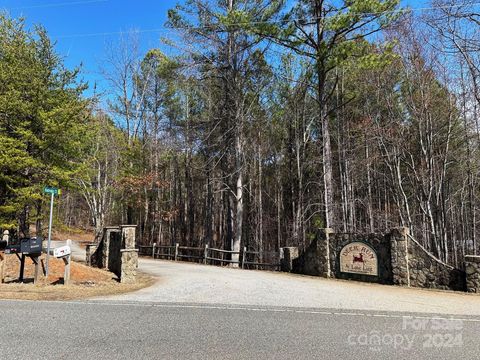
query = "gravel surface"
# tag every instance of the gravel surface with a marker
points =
(181, 282)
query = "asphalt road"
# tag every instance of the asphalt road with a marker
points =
(108, 330)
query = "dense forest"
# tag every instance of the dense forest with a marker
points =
(270, 120)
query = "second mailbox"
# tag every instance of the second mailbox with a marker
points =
(31, 245)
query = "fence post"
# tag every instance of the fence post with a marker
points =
(243, 256)
(153, 250)
(176, 252)
(205, 254)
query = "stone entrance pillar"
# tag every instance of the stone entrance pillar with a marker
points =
(399, 255)
(472, 270)
(323, 251)
(90, 251)
(129, 255)
(128, 236)
(107, 234)
(288, 255)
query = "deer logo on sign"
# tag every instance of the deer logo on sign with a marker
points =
(359, 258)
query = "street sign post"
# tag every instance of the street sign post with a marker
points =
(53, 192)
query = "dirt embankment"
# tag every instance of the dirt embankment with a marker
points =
(85, 281)
(81, 237)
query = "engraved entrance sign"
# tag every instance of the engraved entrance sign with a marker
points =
(358, 258)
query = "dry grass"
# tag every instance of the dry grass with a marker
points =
(85, 282)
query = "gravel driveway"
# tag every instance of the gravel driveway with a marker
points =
(181, 282)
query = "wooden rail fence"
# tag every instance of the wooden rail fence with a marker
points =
(213, 256)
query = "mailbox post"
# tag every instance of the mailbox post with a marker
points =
(64, 252)
(28, 247)
(66, 276)
(3, 259)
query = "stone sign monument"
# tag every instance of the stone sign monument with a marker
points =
(358, 258)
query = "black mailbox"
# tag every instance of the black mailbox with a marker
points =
(31, 245)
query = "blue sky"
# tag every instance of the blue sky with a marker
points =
(69, 23)
(82, 28)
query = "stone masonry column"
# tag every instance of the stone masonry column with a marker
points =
(323, 251)
(90, 254)
(289, 254)
(128, 236)
(472, 269)
(129, 255)
(399, 256)
(107, 234)
(129, 258)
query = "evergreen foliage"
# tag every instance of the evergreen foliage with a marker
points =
(42, 121)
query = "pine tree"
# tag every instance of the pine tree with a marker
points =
(42, 121)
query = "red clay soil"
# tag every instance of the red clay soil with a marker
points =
(79, 273)
(85, 281)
